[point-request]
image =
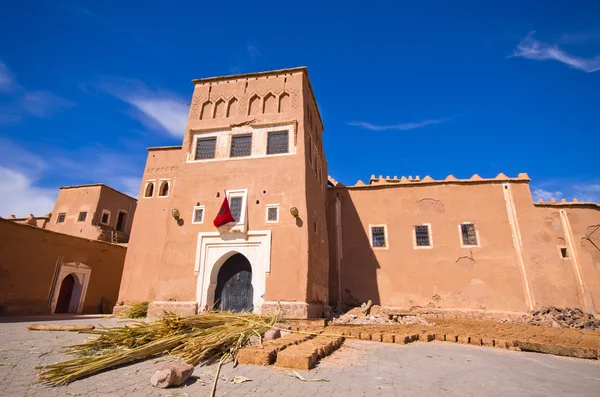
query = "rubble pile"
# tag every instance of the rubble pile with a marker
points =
(376, 315)
(566, 318)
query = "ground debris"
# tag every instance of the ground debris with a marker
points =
(302, 378)
(54, 327)
(378, 315)
(562, 318)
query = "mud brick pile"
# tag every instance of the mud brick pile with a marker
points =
(378, 315)
(567, 318)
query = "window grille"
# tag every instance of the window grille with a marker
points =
(235, 205)
(468, 234)
(272, 214)
(422, 236)
(61, 218)
(378, 236)
(82, 216)
(198, 215)
(241, 145)
(277, 142)
(205, 148)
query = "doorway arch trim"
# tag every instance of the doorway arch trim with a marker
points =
(81, 273)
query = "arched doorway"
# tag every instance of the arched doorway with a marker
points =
(65, 294)
(234, 290)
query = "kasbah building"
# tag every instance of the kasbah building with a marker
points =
(306, 244)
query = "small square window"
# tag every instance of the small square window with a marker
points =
(564, 253)
(82, 216)
(422, 236)
(469, 236)
(205, 148)
(198, 215)
(378, 236)
(272, 213)
(277, 142)
(61, 217)
(105, 217)
(241, 145)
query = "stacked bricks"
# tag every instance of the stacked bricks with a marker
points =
(306, 354)
(267, 353)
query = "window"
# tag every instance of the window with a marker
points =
(205, 148)
(468, 233)
(149, 192)
(61, 217)
(198, 214)
(235, 205)
(121, 220)
(563, 252)
(272, 213)
(378, 236)
(164, 188)
(82, 216)
(105, 217)
(241, 145)
(422, 236)
(310, 160)
(277, 142)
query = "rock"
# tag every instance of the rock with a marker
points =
(254, 340)
(273, 333)
(171, 374)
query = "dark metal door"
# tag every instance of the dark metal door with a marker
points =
(65, 294)
(234, 290)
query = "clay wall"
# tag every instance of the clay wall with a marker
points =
(116, 202)
(28, 259)
(448, 276)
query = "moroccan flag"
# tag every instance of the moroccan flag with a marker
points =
(224, 216)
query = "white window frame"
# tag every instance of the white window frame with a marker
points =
(102, 216)
(385, 233)
(240, 225)
(259, 142)
(169, 187)
(153, 181)
(460, 236)
(198, 207)
(564, 258)
(414, 237)
(267, 213)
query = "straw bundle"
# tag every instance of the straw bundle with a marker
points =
(199, 339)
(137, 310)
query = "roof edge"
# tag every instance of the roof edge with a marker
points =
(97, 185)
(251, 74)
(164, 148)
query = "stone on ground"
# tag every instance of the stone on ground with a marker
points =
(171, 374)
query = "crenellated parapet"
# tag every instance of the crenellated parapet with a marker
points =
(564, 203)
(427, 180)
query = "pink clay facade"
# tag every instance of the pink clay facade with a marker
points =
(312, 243)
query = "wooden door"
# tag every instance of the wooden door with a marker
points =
(65, 294)
(234, 290)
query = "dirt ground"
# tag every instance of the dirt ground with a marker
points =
(485, 329)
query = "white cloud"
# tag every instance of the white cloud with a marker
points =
(23, 102)
(545, 195)
(531, 48)
(131, 186)
(400, 127)
(587, 193)
(42, 103)
(166, 110)
(18, 196)
(7, 79)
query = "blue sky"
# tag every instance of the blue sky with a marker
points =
(404, 88)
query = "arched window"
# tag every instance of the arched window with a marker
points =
(164, 189)
(149, 189)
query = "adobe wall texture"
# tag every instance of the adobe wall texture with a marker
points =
(488, 277)
(72, 202)
(28, 258)
(162, 251)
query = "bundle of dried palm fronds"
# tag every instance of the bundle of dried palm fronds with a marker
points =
(137, 310)
(203, 338)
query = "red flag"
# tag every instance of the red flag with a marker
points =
(224, 216)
